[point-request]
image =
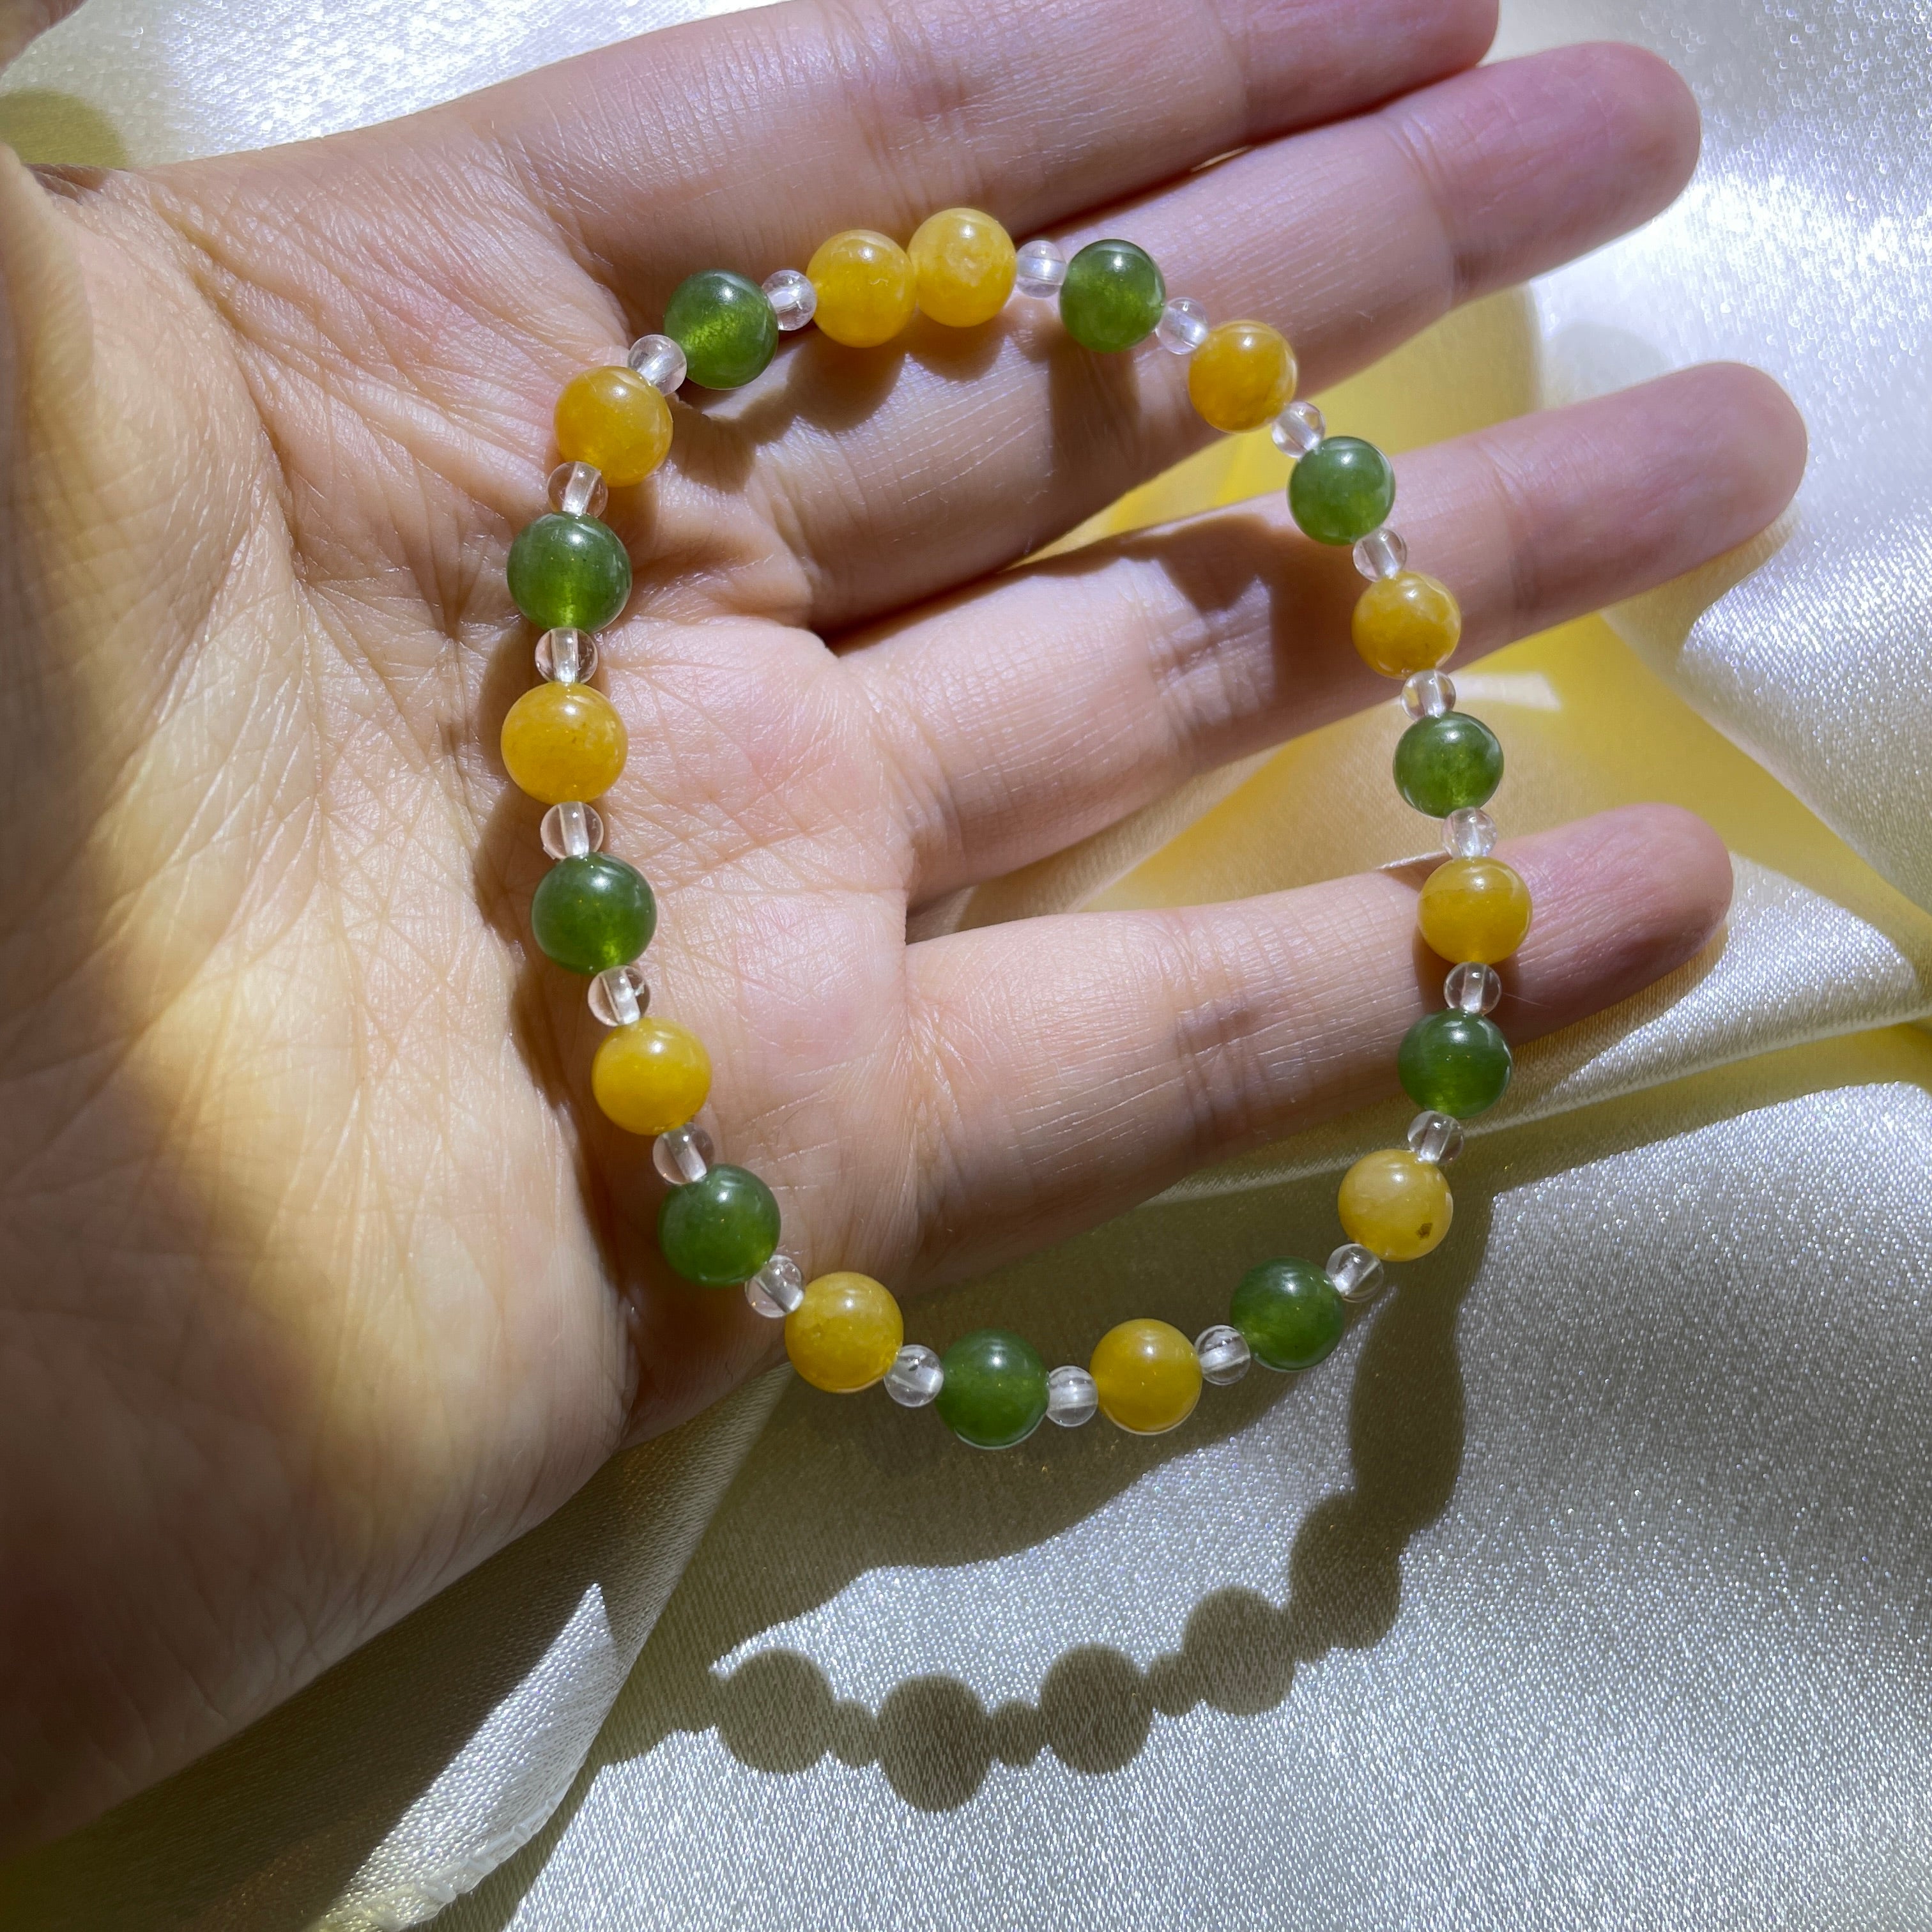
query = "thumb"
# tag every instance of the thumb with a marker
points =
(23, 22)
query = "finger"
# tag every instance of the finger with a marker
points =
(1080, 1064)
(1025, 716)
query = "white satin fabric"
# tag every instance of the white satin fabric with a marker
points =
(1588, 1585)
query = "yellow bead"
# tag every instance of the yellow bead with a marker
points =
(963, 265)
(865, 286)
(613, 418)
(1473, 909)
(1406, 623)
(1243, 376)
(843, 1335)
(651, 1076)
(1147, 1375)
(1396, 1205)
(564, 741)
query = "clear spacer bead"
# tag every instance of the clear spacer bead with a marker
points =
(916, 1376)
(1435, 1137)
(1469, 832)
(1356, 1273)
(1183, 326)
(1071, 1397)
(1039, 268)
(794, 299)
(570, 829)
(1223, 1352)
(1428, 693)
(619, 996)
(1298, 429)
(578, 489)
(683, 1155)
(1381, 554)
(1472, 989)
(567, 656)
(777, 1289)
(659, 361)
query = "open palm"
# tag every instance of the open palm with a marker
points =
(323, 1277)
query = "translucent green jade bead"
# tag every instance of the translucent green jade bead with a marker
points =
(1290, 1313)
(591, 913)
(1112, 296)
(1444, 764)
(569, 571)
(719, 1231)
(994, 1393)
(1341, 490)
(725, 324)
(1456, 1064)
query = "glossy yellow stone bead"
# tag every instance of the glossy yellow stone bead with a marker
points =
(866, 285)
(1395, 1204)
(962, 263)
(843, 1335)
(1474, 909)
(564, 741)
(1406, 623)
(1147, 1376)
(615, 419)
(1242, 376)
(651, 1076)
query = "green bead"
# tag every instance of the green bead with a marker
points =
(1341, 490)
(593, 913)
(1455, 1062)
(569, 571)
(1289, 1313)
(994, 1393)
(1443, 764)
(719, 1231)
(725, 326)
(1112, 296)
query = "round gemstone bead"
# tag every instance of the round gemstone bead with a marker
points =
(777, 1289)
(1471, 989)
(725, 326)
(1183, 326)
(563, 741)
(1475, 909)
(963, 264)
(592, 912)
(569, 571)
(1147, 1376)
(1406, 623)
(794, 301)
(1395, 1204)
(915, 1377)
(1039, 269)
(1224, 1353)
(721, 1230)
(994, 1392)
(1290, 1311)
(866, 293)
(1443, 764)
(845, 1334)
(1298, 429)
(613, 418)
(659, 361)
(1242, 376)
(1112, 296)
(1455, 1062)
(1071, 1398)
(1341, 490)
(651, 1076)
(682, 1156)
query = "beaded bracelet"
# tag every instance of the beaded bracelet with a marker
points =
(564, 743)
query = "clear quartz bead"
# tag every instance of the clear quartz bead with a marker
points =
(567, 656)
(1356, 1274)
(1298, 429)
(1071, 1397)
(1183, 326)
(1223, 1352)
(1428, 693)
(1469, 832)
(1472, 989)
(1381, 554)
(916, 1376)
(777, 1289)
(619, 996)
(794, 299)
(570, 829)
(578, 489)
(1435, 1138)
(1039, 269)
(659, 361)
(683, 1155)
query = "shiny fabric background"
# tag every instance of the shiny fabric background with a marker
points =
(1588, 1585)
